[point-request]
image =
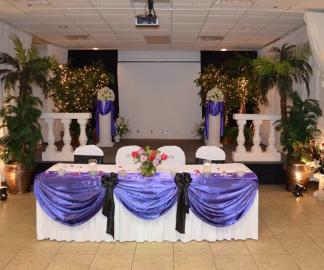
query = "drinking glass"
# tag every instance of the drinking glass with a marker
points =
(92, 166)
(207, 168)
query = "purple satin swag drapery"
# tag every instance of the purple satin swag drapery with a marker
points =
(219, 200)
(214, 108)
(104, 110)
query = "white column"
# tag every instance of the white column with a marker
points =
(256, 138)
(67, 137)
(214, 130)
(105, 139)
(240, 138)
(272, 138)
(83, 134)
(50, 136)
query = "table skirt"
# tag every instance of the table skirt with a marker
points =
(128, 227)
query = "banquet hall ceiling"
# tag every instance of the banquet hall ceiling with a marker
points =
(230, 24)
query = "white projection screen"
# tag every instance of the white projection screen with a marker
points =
(160, 99)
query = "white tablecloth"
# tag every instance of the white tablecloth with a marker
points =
(128, 227)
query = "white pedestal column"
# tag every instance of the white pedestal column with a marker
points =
(214, 130)
(105, 130)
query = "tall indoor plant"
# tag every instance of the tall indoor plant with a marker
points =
(20, 114)
(298, 129)
(286, 65)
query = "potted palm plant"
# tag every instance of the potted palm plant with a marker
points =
(285, 66)
(298, 129)
(21, 113)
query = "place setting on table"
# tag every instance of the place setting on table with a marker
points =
(146, 201)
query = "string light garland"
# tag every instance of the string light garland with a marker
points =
(237, 89)
(76, 89)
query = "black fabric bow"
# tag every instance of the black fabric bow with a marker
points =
(183, 182)
(108, 209)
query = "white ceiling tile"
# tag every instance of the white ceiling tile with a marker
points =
(193, 3)
(280, 4)
(223, 19)
(70, 3)
(308, 4)
(256, 20)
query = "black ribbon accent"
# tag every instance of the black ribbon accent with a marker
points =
(108, 209)
(183, 182)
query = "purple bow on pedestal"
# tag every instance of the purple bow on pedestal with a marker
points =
(214, 108)
(104, 110)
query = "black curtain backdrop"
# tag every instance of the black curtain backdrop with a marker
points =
(109, 60)
(219, 59)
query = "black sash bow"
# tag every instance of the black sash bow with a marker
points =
(183, 182)
(108, 209)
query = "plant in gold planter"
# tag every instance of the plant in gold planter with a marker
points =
(20, 114)
(149, 160)
(298, 129)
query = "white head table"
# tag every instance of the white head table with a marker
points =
(128, 227)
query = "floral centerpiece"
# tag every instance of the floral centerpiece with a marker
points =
(313, 156)
(215, 95)
(106, 94)
(122, 126)
(149, 160)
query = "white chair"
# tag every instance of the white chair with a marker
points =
(123, 155)
(212, 153)
(83, 153)
(175, 154)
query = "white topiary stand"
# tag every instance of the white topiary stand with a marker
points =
(105, 139)
(214, 130)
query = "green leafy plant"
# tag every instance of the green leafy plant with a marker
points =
(299, 127)
(285, 66)
(23, 130)
(20, 114)
(25, 70)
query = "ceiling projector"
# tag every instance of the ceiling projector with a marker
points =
(149, 18)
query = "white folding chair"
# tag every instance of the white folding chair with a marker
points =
(83, 153)
(175, 154)
(212, 153)
(124, 155)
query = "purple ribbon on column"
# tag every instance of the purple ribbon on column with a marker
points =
(214, 108)
(104, 110)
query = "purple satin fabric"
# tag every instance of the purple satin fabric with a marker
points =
(214, 108)
(74, 198)
(71, 199)
(222, 200)
(104, 110)
(147, 197)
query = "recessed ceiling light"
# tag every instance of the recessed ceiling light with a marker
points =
(95, 49)
(224, 50)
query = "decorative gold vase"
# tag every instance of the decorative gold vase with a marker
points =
(18, 178)
(297, 174)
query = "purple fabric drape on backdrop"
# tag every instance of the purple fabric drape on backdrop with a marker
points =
(72, 199)
(104, 110)
(214, 108)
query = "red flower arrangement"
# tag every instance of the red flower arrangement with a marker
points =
(149, 159)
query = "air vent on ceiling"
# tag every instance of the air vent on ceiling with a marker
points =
(157, 39)
(211, 38)
(155, 1)
(235, 2)
(29, 2)
(78, 37)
